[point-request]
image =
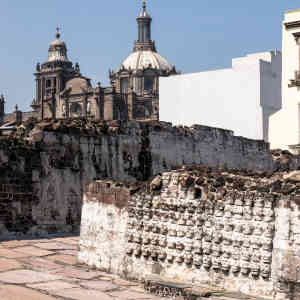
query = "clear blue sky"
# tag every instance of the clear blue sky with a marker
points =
(194, 35)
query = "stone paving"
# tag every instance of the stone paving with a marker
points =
(47, 269)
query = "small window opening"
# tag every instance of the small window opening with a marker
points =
(124, 85)
(148, 83)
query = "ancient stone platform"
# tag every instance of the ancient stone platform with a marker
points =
(47, 269)
(237, 231)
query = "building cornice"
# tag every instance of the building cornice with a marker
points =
(294, 24)
(296, 35)
(292, 11)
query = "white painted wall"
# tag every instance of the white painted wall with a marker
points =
(284, 125)
(240, 98)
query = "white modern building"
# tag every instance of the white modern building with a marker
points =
(241, 98)
(285, 124)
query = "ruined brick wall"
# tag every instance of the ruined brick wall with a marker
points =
(16, 201)
(58, 159)
(135, 151)
(234, 231)
(34, 198)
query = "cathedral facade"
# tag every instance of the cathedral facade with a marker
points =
(63, 92)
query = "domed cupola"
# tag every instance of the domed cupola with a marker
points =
(58, 49)
(141, 70)
(141, 60)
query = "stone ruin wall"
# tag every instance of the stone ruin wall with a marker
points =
(16, 187)
(45, 166)
(234, 231)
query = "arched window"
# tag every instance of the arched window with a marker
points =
(124, 85)
(76, 109)
(48, 83)
(138, 85)
(148, 83)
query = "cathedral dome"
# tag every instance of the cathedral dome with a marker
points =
(144, 55)
(78, 85)
(144, 59)
(57, 50)
(57, 43)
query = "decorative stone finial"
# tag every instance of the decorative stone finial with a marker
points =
(144, 13)
(77, 68)
(16, 107)
(38, 67)
(57, 32)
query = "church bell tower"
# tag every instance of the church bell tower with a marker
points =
(51, 78)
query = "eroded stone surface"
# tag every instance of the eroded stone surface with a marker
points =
(46, 165)
(238, 231)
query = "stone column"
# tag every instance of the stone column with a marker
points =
(148, 31)
(130, 104)
(53, 105)
(42, 98)
(85, 100)
(141, 32)
(38, 90)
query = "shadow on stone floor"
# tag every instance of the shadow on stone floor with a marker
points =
(41, 237)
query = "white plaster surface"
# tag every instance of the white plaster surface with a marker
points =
(284, 125)
(105, 236)
(240, 98)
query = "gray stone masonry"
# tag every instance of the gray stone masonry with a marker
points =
(49, 164)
